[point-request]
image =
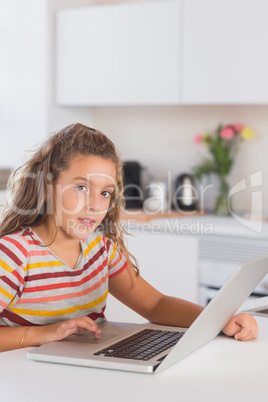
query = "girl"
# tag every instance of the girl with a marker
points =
(62, 248)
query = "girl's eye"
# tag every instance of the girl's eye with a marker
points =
(81, 188)
(106, 194)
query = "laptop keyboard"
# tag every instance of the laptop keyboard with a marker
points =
(143, 345)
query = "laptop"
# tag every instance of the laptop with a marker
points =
(114, 351)
(257, 306)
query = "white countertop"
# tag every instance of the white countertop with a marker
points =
(201, 225)
(222, 370)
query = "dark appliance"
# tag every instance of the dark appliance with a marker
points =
(185, 195)
(133, 193)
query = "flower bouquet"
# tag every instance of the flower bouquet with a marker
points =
(222, 144)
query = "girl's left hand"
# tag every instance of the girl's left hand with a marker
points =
(242, 326)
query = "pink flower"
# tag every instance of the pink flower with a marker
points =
(238, 127)
(198, 138)
(227, 133)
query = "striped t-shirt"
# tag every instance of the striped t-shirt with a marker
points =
(37, 288)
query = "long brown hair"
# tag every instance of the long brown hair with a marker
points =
(32, 188)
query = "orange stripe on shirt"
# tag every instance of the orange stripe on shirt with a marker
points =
(66, 296)
(3, 304)
(34, 253)
(116, 261)
(50, 313)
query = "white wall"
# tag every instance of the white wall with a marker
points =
(27, 109)
(23, 79)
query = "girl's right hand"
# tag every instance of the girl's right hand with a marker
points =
(17, 337)
(75, 326)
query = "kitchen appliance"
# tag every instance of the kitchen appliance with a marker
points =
(219, 256)
(4, 176)
(156, 197)
(132, 172)
(185, 195)
(228, 245)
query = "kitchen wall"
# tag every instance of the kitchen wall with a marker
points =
(27, 110)
(23, 79)
(161, 138)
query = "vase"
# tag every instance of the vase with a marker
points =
(222, 204)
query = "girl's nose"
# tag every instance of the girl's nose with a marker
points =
(94, 202)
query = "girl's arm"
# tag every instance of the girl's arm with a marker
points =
(141, 297)
(17, 337)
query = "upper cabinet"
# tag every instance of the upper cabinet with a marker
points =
(163, 52)
(225, 52)
(119, 54)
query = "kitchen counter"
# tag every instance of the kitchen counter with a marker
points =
(195, 223)
(146, 216)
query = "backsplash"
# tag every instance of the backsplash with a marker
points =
(162, 139)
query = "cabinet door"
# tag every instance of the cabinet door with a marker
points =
(118, 54)
(167, 262)
(225, 58)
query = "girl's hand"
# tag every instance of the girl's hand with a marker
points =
(16, 337)
(75, 326)
(242, 326)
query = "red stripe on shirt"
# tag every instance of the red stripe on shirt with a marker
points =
(9, 283)
(73, 273)
(17, 275)
(66, 284)
(95, 257)
(119, 271)
(16, 319)
(108, 245)
(17, 244)
(50, 275)
(34, 242)
(65, 296)
(94, 316)
(11, 255)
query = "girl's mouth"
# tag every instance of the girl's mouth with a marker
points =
(86, 222)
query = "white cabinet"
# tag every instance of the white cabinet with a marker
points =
(169, 262)
(225, 57)
(119, 54)
(163, 52)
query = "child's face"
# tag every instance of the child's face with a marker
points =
(83, 194)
